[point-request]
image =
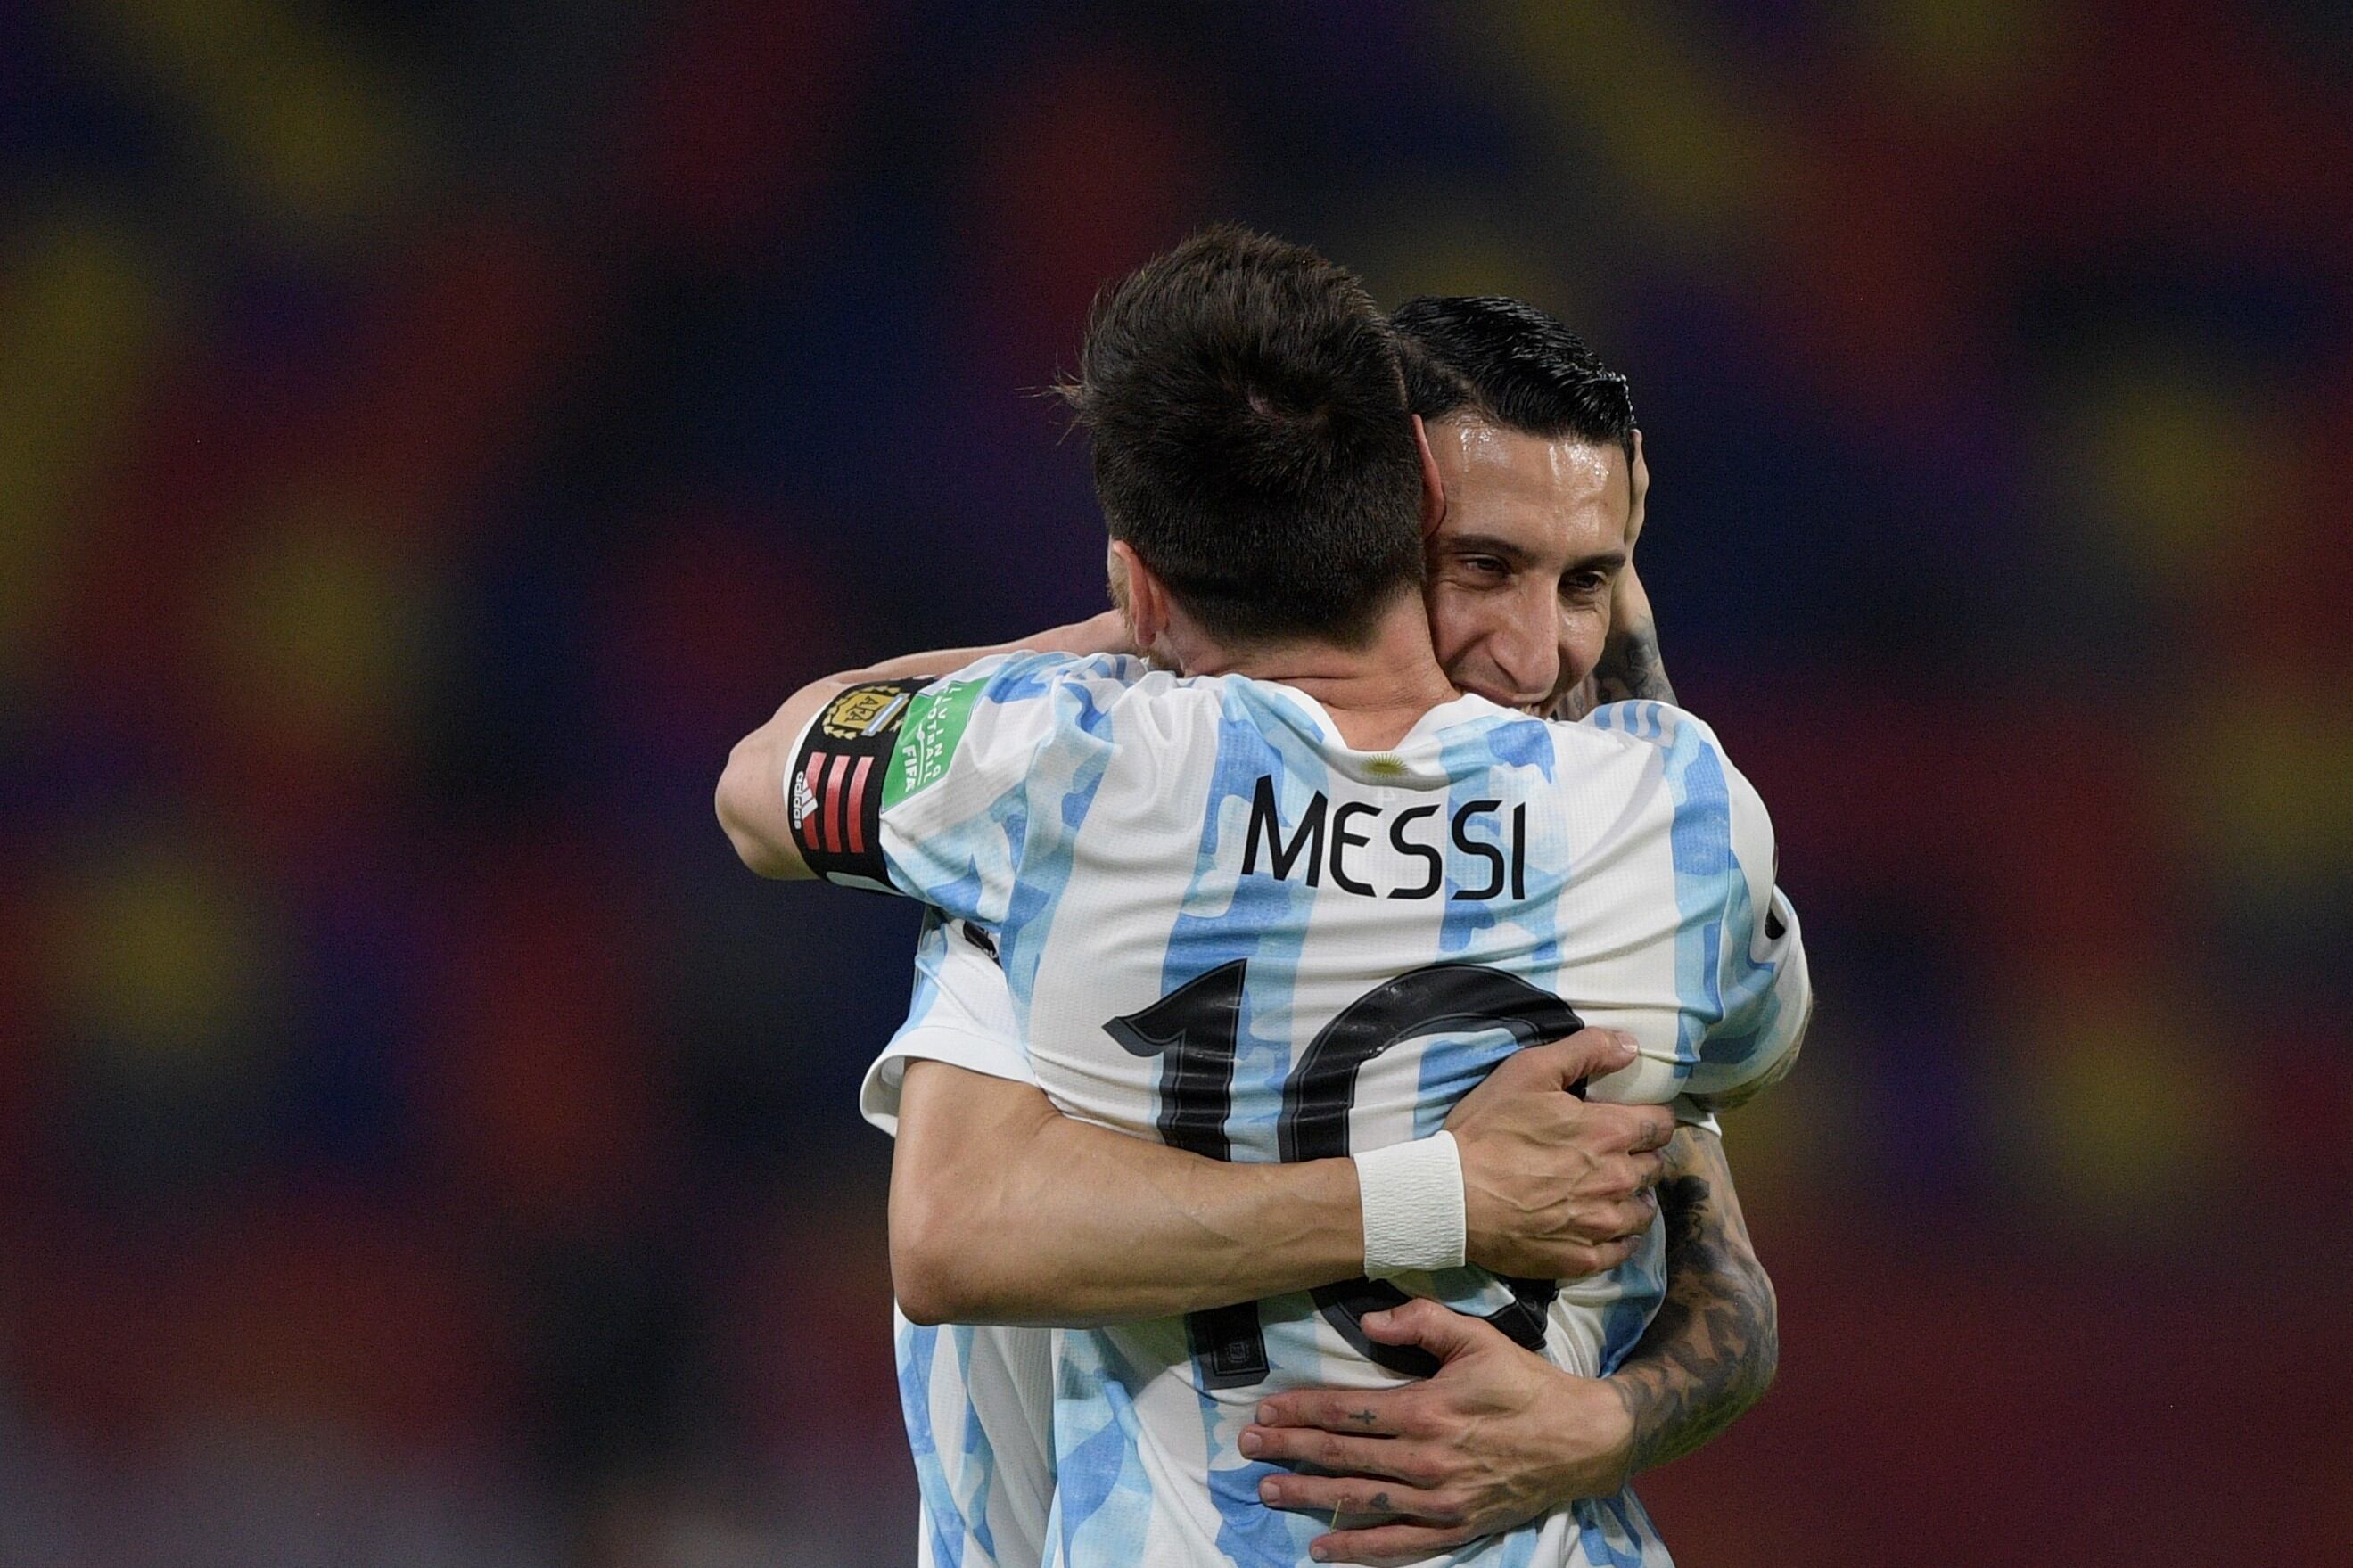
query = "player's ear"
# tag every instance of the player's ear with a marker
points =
(1140, 594)
(1433, 489)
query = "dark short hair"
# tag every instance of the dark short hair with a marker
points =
(1510, 364)
(1252, 441)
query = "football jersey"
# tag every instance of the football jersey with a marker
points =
(977, 1399)
(1222, 926)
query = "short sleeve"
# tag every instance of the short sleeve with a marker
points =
(1690, 1112)
(930, 788)
(1740, 962)
(1769, 1002)
(961, 1014)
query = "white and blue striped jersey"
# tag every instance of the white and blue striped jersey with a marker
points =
(977, 1399)
(1222, 926)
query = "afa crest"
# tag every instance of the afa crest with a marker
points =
(862, 711)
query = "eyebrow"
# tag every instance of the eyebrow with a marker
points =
(1487, 544)
(1490, 544)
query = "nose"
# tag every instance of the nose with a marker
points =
(1526, 646)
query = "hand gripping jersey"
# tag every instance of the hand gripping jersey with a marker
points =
(1222, 926)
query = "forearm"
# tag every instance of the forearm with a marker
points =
(1710, 1351)
(1105, 632)
(1003, 1210)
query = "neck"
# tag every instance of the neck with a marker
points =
(1375, 693)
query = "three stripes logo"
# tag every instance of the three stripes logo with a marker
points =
(837, 783)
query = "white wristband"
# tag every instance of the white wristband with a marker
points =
(1412, 1197)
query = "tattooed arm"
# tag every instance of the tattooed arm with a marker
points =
(1710, 1351)
(1630, 668)
(1498, 1434)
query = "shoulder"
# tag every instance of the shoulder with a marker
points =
(1686, 747)
(1011, 679)
(1045, 719)
(1713, 800)
(1018, 699)
(1658, 724)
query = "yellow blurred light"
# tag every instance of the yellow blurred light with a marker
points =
(160, 952)
(78, 316)
(2174, 461)
(2261, 774)
(2121, 1113)
(292, 115)
(318, 628)
(1635, 81)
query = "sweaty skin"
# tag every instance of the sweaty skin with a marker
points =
(1534, 539)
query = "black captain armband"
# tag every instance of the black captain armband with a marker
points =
(837, 776)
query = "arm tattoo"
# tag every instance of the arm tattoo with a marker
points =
(1630, 669)
(1710, 1351)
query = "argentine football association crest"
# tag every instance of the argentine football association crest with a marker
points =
(862, 711)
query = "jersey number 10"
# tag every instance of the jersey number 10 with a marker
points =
(1193, 1029)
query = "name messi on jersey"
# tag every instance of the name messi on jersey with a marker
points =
(1326, 838)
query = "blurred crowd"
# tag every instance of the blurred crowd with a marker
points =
(431, 433)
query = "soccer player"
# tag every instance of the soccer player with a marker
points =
(1545, 485)
(1297, 905)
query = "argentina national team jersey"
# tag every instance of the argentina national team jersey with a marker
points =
(1223, 927)
(977, 1399)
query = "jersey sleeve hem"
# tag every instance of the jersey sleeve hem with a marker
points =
(992, 1055)
(1690, 1112)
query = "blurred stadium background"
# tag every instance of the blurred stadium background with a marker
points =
(430, 433)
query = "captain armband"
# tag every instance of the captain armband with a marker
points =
(835, 792)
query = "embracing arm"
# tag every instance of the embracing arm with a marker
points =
(751, 800)
(1004, 1210)
(1712, 1349)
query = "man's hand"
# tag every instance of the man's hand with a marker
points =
(1629, 668)
(1555, 1188)
(1495, 1438)
(1637, 491)
(1497, 1434)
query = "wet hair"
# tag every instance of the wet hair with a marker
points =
(1510, 364)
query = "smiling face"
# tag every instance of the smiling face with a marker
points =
(1522, 564)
